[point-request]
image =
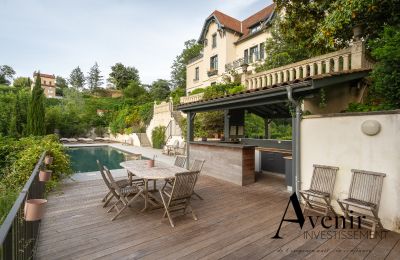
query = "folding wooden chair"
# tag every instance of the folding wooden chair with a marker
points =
(180, 161)
(318, 197)
(178, 198)
(197, 166)
(122, 194)
(365, 194)
(111, 193)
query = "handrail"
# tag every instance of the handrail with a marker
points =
(7, 229)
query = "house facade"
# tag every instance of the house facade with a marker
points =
(228, 44)
(48, 84)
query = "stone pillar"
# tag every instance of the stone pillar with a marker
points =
(319, 67)
(291, 74)
(336, 64)
(357, 55)
(346, 62)
(328, 66)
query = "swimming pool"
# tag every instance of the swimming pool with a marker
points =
(83, 159)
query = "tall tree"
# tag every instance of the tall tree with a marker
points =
(160, 89)
(36, 112)
(15, 128)
(178, 74)
(94, 79)
(121, 76)
(61, 82)
(6, 74)
(77, 79)
(134, 90)
(22, 82)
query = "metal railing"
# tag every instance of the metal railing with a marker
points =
(18, 238)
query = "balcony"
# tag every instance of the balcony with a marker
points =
(212, 72)
(192, 98)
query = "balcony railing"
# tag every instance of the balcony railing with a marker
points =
(347, 59)
(212, 73)
(18, 237)
(192, 98)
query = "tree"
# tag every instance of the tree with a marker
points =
(160, 89)
(77, 79)
(386, 73)
(16, 128)
(22, 82)
(36, 112)
(134, 90)
(6, 74)
(178, 74)
(61, 82)
(121, 76)
(94, 79)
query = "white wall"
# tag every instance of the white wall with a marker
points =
(339, 141)
(131, 139)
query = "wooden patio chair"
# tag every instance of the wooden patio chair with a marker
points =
(178, 197)
(180, 161)
(197, 166)
(318, 197)
(365, 194)
(123, 194)
(111, 193)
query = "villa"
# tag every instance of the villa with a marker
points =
(228, 44)
(331, 192)
(48, 84)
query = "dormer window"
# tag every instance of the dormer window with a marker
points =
(255, 28)
(214, 40)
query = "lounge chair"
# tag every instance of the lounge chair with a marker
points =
(181, 149)
(111, 193)
(318, 197)
(197, 166)
(123, 194)
(99, 139)
(365, 195)
(64, 140)
(178, 197)
(72, 140)
(172, 148)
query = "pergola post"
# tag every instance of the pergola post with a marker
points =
(189, 134)
(226, 125)
(266, 128)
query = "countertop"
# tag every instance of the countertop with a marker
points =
(219, 144)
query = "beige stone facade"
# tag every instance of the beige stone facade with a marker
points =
(228, 44)
(48, 84)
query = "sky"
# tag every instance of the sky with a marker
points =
(55, 36)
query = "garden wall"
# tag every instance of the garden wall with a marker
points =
(338, 140)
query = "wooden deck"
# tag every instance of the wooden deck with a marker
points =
(234, 223)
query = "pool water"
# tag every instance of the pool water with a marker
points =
(83, 159)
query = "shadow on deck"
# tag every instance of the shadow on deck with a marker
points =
(234, 223)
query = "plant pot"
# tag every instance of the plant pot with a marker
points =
(150, 163)
(204, 139)
(48, 160)
(45, 175)
(34, 209)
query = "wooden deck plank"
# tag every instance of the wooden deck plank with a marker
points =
(234, 223)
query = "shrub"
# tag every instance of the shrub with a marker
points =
(158, 137)
(18, 160)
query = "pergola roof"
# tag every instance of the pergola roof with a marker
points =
(272, 101)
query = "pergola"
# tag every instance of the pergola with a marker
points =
(269, 103)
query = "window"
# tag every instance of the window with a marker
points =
(214, 62)
(255, 29)
(214, 40)
(253, 53)
(205, 42)
(246, 56)
(196, 73)
(262, 51)
(213, 83)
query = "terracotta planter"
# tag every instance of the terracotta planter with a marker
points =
(45, 175)
(150, 163)
(34, 209)
(48, 160)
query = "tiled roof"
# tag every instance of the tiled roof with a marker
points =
(275, 86)
(227, 21)
(42, 75)
(242, 27)
(258, 17)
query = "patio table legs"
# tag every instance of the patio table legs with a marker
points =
(148, 198)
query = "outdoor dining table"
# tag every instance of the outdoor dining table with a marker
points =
(160, 171)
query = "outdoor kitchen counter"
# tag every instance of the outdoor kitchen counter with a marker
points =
(233, 162)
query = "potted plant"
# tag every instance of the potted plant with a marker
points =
(45, 175)
(151, 162)
(34, 209)
(48, 159)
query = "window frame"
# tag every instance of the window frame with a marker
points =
(252, 54)
(214, 40)
(262, 51)
(214, 62)
(196, 73)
